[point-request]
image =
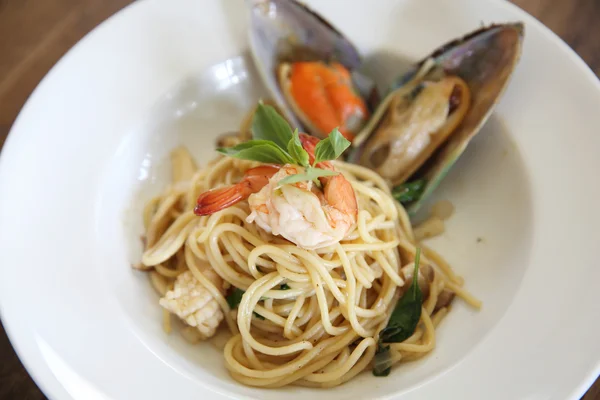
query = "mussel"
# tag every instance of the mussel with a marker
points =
(426, 120)
(431, 113)
(309, 67)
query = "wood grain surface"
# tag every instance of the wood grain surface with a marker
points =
(34, 34)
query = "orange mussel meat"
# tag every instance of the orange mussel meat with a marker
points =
(323, 97)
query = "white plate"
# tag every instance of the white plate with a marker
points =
(87, 149)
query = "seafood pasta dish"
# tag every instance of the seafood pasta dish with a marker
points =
(295, 242)
(303, 260)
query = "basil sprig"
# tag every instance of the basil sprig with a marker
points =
(409, 191)
(296, 150)
(402, 323)
(331, 147)
(267, 124)
(310, 174)
(235, 298)
(259, 150)
(274, 142)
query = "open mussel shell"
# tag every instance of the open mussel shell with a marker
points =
(284, 32)
(404, 142)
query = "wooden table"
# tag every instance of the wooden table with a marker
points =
(35, 34)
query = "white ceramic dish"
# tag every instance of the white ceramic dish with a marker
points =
(87, 149)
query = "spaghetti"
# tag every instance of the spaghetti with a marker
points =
(306, 317)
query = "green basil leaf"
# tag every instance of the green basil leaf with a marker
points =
(267, 124)
(284, 286)
(295, 149)
(338, 142)
(309, 175)
(234, 298)
(331, 148)
(382, 362)
(402, 323)
(258, 150)
(407, 313)
(409, 191)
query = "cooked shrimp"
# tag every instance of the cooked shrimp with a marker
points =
(309, 216)
(302, 213)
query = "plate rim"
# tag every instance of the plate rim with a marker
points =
(33, 369)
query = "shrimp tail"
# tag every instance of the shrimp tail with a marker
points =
(218, 199)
